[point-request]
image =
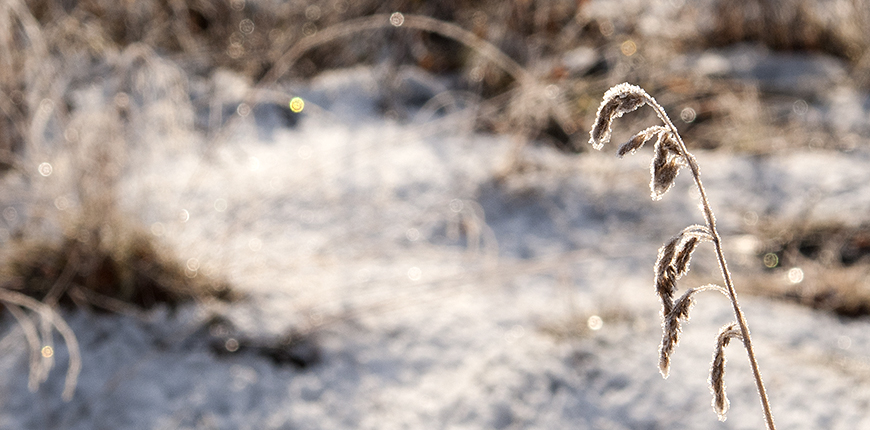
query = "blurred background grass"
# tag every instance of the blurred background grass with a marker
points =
(90, 84)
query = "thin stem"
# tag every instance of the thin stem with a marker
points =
(49, 316)
(717, 243)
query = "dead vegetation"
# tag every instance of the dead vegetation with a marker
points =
(836, 27)
(112, 276)
(823, 266)
(69, 242)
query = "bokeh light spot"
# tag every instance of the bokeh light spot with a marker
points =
(309, 29)
(246, 26)
(844, 342)
(220, 205)
(415, 273)
(193, 264)
(770, 260)
(158, 229)
(795, 275)
(412, 234)
(628, 48)
(10, 214)
(688, 115)
(515, 333)
(313, 13)
(45, 169)
(235, 51)
(606, 28)
(297, 104)
(397, 19)
(595, 323)
(46, 105)
(62, 203)
(750, 218)
(71, 134)
(243, 110)
(800, 107)
(476, 74)
(47, 351)
(551, 91)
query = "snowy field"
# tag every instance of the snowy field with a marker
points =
(404, 274)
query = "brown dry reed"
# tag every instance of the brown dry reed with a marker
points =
(670, 156)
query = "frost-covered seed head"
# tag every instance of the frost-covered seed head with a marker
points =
(619, 100)
(665, 276)
(671, 330)
(717, 370)
(665, 166)
(681, 261)
(638, 140)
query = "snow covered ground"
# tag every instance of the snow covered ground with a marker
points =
(424, 288)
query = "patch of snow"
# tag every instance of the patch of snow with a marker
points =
(431, 288)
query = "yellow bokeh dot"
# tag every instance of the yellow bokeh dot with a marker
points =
(47, 351)
(297, 104)
(628, 48)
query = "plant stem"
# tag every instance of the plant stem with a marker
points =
(717, 243)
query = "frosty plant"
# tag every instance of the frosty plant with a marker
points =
(670, 155)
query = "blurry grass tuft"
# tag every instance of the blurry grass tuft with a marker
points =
(110, 275)
(825, 266)
(86, 88)
(837, 27)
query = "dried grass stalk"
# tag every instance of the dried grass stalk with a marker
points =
(528, 83)
(665, 276)
(665, 165)
(671, 324)
(638, 140)
(32, 336)
(673, 262)
(681, 260)
(49, 318)
(671, 155)
(619, 100)
(717, 370)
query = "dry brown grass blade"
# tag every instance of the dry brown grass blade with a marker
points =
(671, 326)
(670, 155)
(665, 166)
(683, 257)
(619, 100)
(717, 370)
(50, 319)
(673, 262)
(31, 334)
(638, 140)
(665, 276)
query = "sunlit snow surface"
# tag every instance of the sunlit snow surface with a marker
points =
(435, 281)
